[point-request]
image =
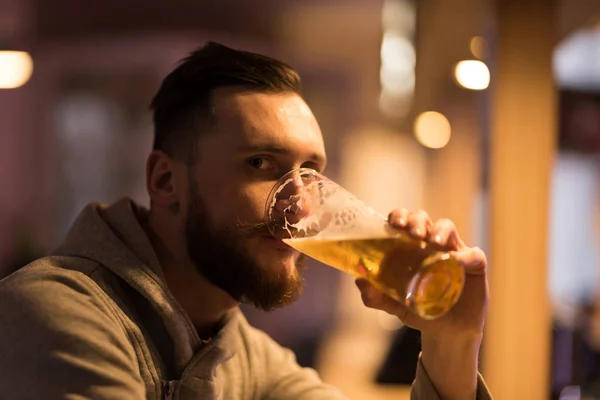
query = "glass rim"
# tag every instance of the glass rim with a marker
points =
(301, 171)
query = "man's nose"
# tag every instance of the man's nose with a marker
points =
(294, 202)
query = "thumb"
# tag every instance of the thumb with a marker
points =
(374, 298)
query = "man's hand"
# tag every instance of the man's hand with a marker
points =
(450, 343)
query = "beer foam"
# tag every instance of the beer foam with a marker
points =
(344, 215)
(304, 224)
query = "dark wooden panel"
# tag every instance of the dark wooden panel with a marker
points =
(68, 18)
(579, 114)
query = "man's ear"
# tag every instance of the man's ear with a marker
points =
(162, 183)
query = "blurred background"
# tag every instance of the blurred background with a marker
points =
(486, 112)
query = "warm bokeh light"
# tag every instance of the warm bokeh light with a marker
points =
(478, 47)
(472, 74)
(15, 69)
(394, 105)
(398, 55)
(398, 58)
(432, 129)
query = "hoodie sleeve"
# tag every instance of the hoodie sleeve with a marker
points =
(280, 376)
(286, 380)
(58, 341)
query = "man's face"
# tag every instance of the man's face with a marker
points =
(255, 138)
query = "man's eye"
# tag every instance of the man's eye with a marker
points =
(260, 163)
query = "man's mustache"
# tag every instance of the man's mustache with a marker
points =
(260, 228)
(268, 228)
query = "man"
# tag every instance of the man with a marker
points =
(143, 303)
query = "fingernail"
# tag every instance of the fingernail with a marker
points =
(397, 221)
(438, 239)
(418, 232)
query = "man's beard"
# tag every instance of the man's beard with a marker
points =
(220, 256)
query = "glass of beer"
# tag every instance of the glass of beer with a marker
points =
(319, 218)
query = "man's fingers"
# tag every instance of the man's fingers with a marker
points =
(472, 259)
(419, 224)
(416, 223)
(443, 234)
(399, 218)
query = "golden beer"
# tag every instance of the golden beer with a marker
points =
(410, 271)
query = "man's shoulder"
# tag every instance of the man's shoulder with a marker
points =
(58, 329)
(50, 279)
(48, 295)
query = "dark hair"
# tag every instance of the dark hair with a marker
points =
(182, 106)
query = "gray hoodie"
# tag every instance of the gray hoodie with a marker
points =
(96, 320)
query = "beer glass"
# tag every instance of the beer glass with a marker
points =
(319, 218)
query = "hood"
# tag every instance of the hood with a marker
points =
(112, 236)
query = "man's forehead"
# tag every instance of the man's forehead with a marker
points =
(264, 119)
(236, 103)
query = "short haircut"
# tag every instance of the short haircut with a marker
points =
(182, 107)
